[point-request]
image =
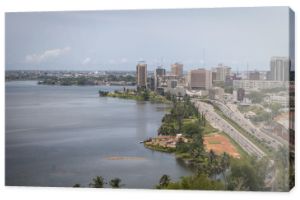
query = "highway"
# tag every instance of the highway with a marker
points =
(244, 123)
(219, 123)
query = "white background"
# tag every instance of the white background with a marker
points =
(71, 193)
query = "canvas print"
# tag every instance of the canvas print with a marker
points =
(189, 99)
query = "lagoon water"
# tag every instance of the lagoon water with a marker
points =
(62, 135)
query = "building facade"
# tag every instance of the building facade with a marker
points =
(200, 79)
(280, 68)
(254, 75)
(177, 69)
(259, 84)
(141, 75)
(158, 74)
(222, 72)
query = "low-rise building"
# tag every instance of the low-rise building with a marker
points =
(259, 84)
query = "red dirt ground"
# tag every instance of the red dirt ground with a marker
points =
(220, 144)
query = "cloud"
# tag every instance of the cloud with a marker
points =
(124, 60)
(86, 61)
(112, 61)
(46, 55)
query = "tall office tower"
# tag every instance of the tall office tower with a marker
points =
(254, 75)
(141, 75)
(177, 69)
(158, 73)
(200, 79)
(280, 67)
(222, 72)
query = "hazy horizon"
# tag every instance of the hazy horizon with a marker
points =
(116, 40)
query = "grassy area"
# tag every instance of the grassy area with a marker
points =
(184, 156)
(153, 97)
(243, 154)
(159, 148)
(208, 129)
(214, 142)
(252, 138)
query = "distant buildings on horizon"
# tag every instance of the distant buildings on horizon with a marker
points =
(206, 79)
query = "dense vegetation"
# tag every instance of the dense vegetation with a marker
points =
(99, 182)
(84, 80)
(139, 94)
(212, 171)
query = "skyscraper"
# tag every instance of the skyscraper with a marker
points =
(159, 72)
(177, 69)
(222, 72)
(200, 79)
(141, 75)
(280, 67)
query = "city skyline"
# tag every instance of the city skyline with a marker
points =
(116, 40)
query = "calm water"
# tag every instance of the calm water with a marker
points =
(59, 136)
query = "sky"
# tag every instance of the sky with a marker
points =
(117, 40)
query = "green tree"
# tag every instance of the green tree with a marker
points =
(256, 97)
(164, 181)
(146, 95)
(97, 182)
(191, 129)
(245, 176)
(196, 147)
(115, 183)
(197, 182)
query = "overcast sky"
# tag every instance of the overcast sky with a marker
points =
(116, 40)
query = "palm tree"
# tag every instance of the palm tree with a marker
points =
(211, 156)
(164, 181)
(98, 182)
(115, 183)
(225, 163)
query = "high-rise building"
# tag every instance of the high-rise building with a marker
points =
(200, 79)
(254, 75)
(158, 73)
(222, 72)
(177, 69)
(280, 67)
(141, 75)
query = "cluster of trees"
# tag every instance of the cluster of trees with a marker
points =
(83, 80)
(172, 123)
(285, 169)
(256, 97)
(212, 171)
(200, 181)
(238, 175)
(247, 175)
(141, 94)
(68, 81)
(99, 182)
(127, 78)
